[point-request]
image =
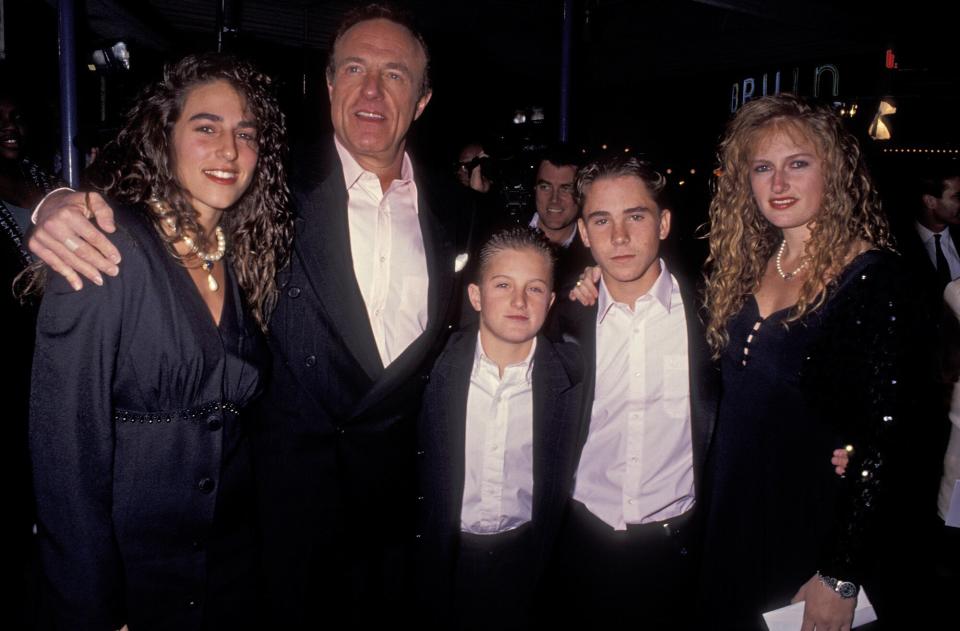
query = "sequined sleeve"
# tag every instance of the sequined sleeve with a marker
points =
(867, 374)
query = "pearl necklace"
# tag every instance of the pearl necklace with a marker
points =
(787, 275)
(207, 259)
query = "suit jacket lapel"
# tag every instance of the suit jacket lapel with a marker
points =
(550, 427)
(580, 323)
(440, 251)
(323, 245)
(955, 235)
(454, 420)
(440, 254)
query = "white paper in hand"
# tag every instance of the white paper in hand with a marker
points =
(790, 618)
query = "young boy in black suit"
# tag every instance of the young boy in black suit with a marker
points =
(497, 444)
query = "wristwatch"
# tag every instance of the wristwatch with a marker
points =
(845, 589)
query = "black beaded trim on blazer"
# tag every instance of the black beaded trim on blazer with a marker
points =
(194, 414)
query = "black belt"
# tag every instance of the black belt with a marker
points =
(656, 530)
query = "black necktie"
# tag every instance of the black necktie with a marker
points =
(943, 268)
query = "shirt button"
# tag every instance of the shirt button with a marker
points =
(214, 423)
(206, 485)
(382, 259)
(196, 545)
(636, 374)
(293, 292)
(310, 361)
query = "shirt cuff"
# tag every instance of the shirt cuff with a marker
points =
(36, 209)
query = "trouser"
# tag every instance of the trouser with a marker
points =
(641, 577)
(494, 580)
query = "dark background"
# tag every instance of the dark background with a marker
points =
(652, 77)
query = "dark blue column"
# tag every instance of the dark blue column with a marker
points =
(68, 94)
(567, 38)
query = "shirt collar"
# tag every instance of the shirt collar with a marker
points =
(661, 291)
(352, 171)
(482, 362)
(926, 234)
(535, 224)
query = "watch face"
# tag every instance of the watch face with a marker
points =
(846, 589)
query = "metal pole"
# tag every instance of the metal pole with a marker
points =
(3, 33)
(68, 95)
(566, 41)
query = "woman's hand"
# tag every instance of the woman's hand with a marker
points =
(824, 609)
(586, 291)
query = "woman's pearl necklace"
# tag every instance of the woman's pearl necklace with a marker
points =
(787, 275)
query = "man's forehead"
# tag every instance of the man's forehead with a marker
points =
(381, 37)
(548, 170)
(633, 190)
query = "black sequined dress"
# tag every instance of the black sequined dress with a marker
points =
(777, 512)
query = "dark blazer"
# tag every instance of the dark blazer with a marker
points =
(140, 450)
(571, 262)
(557, 400)
(335, 452)
(918, 261)
(573, 321)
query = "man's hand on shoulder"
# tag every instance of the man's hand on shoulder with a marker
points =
(586, 290)
(69, 237)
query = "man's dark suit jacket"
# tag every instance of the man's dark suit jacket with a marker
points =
(571, 262)
(557, 401)
(573, 321)
(335, 454)
(918, 261)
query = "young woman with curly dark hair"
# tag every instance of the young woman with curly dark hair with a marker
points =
(139, 439)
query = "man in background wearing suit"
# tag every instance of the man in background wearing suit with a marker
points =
(929, 243)
(557, 212)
